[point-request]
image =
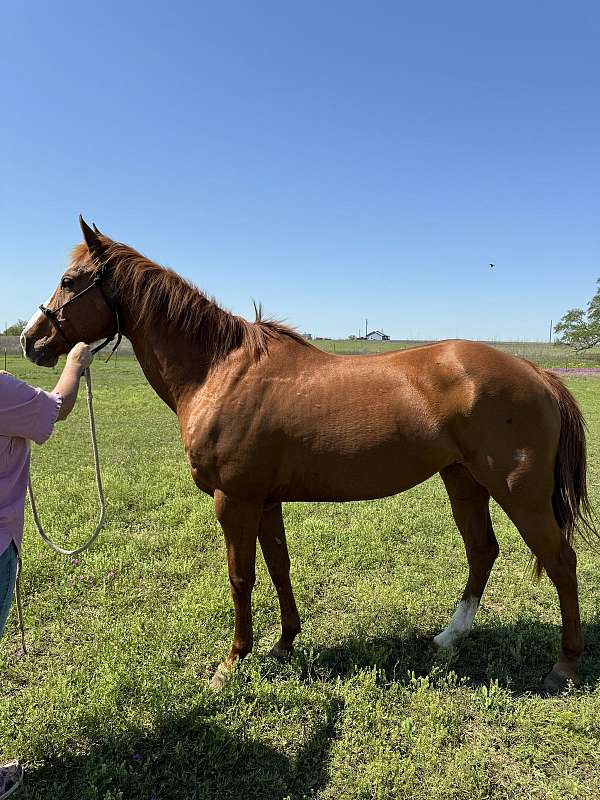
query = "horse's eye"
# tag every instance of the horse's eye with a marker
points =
(66, 283)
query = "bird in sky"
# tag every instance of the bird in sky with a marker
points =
(492, 265)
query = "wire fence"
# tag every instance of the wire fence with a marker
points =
(543, 354)
(11, 345)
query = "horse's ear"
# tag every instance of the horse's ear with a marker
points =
(91, 238)
(96, 229)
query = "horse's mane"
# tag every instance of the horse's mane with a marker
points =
(157, 296)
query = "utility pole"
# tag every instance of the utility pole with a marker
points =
(550, 339)
(366, 327)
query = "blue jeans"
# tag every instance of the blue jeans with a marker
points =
(8, 576)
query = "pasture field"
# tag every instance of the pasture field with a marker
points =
(542, 353)
(112, 702)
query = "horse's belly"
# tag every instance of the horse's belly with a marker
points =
(361, 476)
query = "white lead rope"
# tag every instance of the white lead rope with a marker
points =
(100, 525)
(77, 550)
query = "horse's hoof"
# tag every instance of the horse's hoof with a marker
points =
(444, 640)
(280, 653)
(555, 682)
(221, 676)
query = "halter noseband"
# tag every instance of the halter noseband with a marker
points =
(99, 276)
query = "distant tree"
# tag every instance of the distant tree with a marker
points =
(580, 329)
(16, 329)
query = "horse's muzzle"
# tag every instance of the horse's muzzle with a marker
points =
(39, 353)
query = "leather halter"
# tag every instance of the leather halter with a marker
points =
(51, 314)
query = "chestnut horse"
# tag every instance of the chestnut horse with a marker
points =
(266, 417)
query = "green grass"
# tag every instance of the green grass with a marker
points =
(112, 701)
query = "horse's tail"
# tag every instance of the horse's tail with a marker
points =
(570, 500)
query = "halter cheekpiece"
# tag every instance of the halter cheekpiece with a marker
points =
(99, 276)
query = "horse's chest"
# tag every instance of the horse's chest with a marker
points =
(214, 444)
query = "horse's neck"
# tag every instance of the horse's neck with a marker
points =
(172, 364)
(151, 368)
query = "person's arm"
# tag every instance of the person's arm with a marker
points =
(30, 413)
(79, 358)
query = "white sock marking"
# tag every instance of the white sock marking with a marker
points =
(461, 623)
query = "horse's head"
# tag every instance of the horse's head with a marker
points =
(79, 310)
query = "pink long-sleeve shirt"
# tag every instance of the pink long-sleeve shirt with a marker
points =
(25, 413)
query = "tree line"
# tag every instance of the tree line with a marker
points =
(16, 329)
(580, 327)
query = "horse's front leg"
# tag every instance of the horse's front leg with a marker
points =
(240, 520)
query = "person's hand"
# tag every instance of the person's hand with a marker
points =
(80, 356)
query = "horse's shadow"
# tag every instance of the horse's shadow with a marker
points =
(517, 655)
(189, 755)
(186, 756)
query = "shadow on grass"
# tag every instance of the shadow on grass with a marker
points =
(190, 756)
(185, 757)
(517, 655)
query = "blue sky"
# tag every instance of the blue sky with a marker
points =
(335, 161)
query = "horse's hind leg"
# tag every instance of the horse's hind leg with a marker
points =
(470, 508)
(542, 534)
(271, 536)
